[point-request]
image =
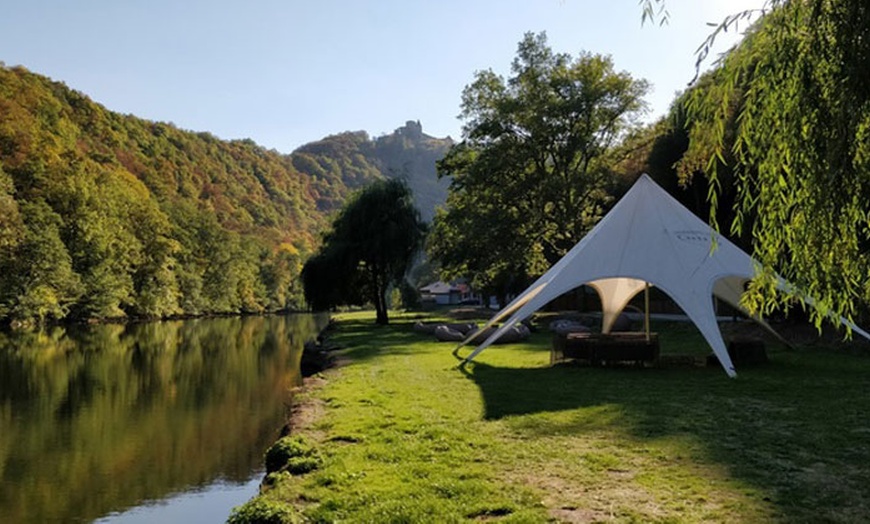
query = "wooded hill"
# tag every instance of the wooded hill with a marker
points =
(351, 160)
(108, 215)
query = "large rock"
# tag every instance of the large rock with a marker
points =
(565, 326)
(445, 334)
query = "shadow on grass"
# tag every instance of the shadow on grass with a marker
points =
(797, 428)
(365, 340)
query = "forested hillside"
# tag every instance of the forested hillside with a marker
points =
(108, 215)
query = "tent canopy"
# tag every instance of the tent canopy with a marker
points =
(648, 237)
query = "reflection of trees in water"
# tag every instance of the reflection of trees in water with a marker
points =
(95, 419)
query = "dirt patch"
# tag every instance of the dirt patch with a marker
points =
(306, 409)
(567, 501)
(578, 515)
(613, 494)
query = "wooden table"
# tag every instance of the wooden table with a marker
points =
(600, 349)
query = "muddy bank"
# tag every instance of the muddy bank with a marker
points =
(319, 354)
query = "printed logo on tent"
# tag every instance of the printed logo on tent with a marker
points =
(695, 237)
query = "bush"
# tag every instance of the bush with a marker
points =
(263, 511)
(409, 295)
(302, 465)
(293, 452)
(272, 479)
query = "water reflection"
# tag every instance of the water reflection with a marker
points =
(97, 419)
(210, 505)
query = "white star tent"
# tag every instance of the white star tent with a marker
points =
(647, 238)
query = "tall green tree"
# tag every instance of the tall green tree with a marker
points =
(280, 275)
(11, 226)
(39, 281)
(370, 247)
(531, 174)
(798, 95)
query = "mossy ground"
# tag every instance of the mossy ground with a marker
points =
(405, 436)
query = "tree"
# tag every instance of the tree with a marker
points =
(12, 232)
(280, 275)
(370, 247)
(530, 176)
(798, 94)
(38, 281)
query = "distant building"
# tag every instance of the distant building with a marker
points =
(445, 294)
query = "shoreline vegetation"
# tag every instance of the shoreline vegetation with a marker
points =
(48, 323)
(396, 433)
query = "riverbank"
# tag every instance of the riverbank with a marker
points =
(399, 434)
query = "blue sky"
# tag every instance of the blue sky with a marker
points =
(285, 72)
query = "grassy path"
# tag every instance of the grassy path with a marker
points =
(407, 437)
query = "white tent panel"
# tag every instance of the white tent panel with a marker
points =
(729, 290)
(615, 294)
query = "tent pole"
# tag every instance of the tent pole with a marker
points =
(646, 311)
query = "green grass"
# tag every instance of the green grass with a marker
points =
(405, 436)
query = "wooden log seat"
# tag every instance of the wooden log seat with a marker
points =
(601, 349)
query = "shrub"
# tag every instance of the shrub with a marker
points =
(302, 465)
(263, 511)
(273, 478)
(294, 452)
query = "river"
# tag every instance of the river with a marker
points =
(151, 422)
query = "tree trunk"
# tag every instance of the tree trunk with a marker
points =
(382, 318)
(380, 300)
(501, 296)
(381, 309)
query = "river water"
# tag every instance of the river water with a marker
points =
(153, 422)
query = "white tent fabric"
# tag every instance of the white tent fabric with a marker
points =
(648, 237)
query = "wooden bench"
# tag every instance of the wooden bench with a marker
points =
(600, 349)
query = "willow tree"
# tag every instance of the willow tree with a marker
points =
(371, 246)
(530, 178)
(789, 112)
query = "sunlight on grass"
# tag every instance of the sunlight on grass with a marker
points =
(405, 436)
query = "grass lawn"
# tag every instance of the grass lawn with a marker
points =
(406, 436)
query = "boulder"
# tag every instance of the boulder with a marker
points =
(445, 334)
(565, 326)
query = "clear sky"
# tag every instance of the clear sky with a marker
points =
(287, 72)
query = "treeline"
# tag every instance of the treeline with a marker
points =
(104, 215)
